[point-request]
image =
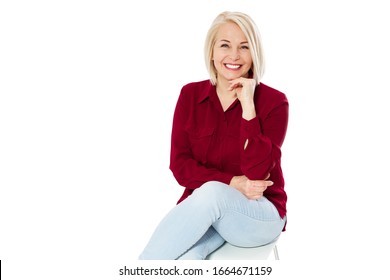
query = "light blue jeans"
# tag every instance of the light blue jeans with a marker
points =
(211, 215)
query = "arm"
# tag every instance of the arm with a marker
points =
(261, 142)
(261, 136)
(188, 171)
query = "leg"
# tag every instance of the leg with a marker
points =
(238, 220)
(209, 242)
(249, 223)
(183, 226)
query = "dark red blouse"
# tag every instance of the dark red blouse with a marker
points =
(208, 143)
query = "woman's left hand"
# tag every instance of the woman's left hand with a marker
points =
(252, 189)
(244, 89)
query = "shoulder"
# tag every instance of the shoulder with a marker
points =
(196, 91)
(267, 99)
(266, 92)
(196, 86)
(268, 96)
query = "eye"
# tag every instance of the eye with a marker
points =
(224, 45)
(245, 47)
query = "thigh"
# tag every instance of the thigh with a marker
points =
(247, 223)
(240, 221)
(222, 199)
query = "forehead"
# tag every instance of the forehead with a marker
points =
(230, 31)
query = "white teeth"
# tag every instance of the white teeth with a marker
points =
(232, 66)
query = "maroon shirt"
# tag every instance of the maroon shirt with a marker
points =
(208, 143)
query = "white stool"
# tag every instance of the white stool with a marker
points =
(230, 252)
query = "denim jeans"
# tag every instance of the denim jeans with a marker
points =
(211, 215)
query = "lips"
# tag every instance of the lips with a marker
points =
(232, 66)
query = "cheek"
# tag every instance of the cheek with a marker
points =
(218, 55)
(217, 62)
(215, 57)
(248, 58)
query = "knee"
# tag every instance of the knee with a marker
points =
(211, 190)
(209, 199)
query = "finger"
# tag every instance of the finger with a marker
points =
(256, 196)
(262, 183)
(269, 183)
(253, 193)
(261, 190)
(237, 83)
(235, 86)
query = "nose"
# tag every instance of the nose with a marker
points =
(234, 54)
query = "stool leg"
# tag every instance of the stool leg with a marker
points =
(276, 253)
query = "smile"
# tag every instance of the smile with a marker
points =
(232, 66)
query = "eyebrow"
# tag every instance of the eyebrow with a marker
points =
(224, 40)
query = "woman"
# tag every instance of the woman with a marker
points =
(226, 139)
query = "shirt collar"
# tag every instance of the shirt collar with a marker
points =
(208, 92)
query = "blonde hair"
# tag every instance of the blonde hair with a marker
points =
(251, 32)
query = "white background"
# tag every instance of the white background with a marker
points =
(88, 90)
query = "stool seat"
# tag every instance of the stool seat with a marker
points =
(230, 252)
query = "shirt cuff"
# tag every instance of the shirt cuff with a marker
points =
(250, 128)
(226, 178)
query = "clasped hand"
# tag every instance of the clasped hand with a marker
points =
(244, 88)
(252, 189)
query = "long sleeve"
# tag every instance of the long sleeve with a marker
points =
(264, 136)
(186, 161)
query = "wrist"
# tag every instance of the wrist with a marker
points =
(237, 179)
(248, 112)
(232, 181)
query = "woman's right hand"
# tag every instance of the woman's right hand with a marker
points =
(252, 189)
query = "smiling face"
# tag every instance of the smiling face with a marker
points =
(231, 55)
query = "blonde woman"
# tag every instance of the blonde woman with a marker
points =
(226, 143)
